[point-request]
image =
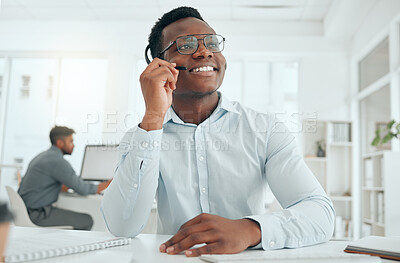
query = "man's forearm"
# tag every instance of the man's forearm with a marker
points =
(129, 198)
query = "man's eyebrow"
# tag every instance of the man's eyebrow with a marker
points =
(203, 34)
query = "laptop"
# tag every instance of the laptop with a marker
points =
(99, 162)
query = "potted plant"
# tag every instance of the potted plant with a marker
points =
(320, 150)
(382, 136)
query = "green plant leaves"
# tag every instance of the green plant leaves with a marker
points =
(387, 134)
(390, 124)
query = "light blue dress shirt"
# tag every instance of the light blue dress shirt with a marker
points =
(222, 166)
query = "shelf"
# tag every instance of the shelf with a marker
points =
(334, 170)
(373, 154)
(368, 221)
(315, 159)
(340, 144)
(341, 198)
(373, 188)
(371, 222)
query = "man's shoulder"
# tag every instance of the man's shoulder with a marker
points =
(49, 157)
(250, 113)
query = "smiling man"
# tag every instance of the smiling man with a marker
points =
(209, 161)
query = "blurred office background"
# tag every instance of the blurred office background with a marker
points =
(328, 68)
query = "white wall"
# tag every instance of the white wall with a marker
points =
(324, 86)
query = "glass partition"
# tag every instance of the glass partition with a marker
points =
(29, 113)
(374, 114)
(375, 65)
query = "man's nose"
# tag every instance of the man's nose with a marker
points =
(202, 51)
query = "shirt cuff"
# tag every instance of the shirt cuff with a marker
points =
(272, 235)
(146, 144)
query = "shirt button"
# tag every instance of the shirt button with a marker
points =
(271, 244)
(145, 144)
(135, 186)
(201, 158)
(203, 190)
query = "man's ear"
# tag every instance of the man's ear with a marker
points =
(60, 143)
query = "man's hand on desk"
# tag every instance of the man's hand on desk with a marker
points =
(64, 188)
(103, 186)
(222, 236)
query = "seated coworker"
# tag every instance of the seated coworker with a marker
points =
(46, 175)
(207, 160)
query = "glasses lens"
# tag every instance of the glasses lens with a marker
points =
(214, 43)
(186, 45)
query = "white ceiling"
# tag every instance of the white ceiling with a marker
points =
(114, 10)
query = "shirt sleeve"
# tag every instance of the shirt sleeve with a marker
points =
(66, 175)
(127, 202)
(307, 217)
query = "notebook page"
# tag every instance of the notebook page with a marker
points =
(52, 244)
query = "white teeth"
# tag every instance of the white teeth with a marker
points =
(203, 69)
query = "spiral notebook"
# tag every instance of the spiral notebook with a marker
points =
(53, 244)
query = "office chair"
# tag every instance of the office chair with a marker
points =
(21, 217)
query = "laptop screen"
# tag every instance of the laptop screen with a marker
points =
(99, 162)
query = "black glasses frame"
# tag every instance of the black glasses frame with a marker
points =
(194, 35)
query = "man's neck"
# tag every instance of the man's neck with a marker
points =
(195, 109)
(61, 150)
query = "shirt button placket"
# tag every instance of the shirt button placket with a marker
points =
(202, 169)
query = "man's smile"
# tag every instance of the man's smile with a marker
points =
(203, 69)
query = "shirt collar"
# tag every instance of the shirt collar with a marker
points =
(56, 150)
(224, 105)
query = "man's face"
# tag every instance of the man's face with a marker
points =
(67, 145)
(191, 83)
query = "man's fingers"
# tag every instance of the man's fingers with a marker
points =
(192, 226)
(190, 241)
(161, 76)
(195, 220)
(212, 248)
(156, 63)
(185, 239)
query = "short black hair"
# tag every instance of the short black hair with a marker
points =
(156, 38)
(58, 132)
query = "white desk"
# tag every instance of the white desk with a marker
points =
(144, 248)
(90, 204)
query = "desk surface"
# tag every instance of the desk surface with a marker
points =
(144, 248)
(90, 204)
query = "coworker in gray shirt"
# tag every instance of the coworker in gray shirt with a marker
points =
(44, 179)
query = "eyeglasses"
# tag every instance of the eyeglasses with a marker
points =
(188, 45)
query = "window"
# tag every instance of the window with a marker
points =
(2, 88)
(80, 103)
(374, 113)
(29, 113)
(43, 92)
(262, 85)
(375, 65)
(233, 81)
